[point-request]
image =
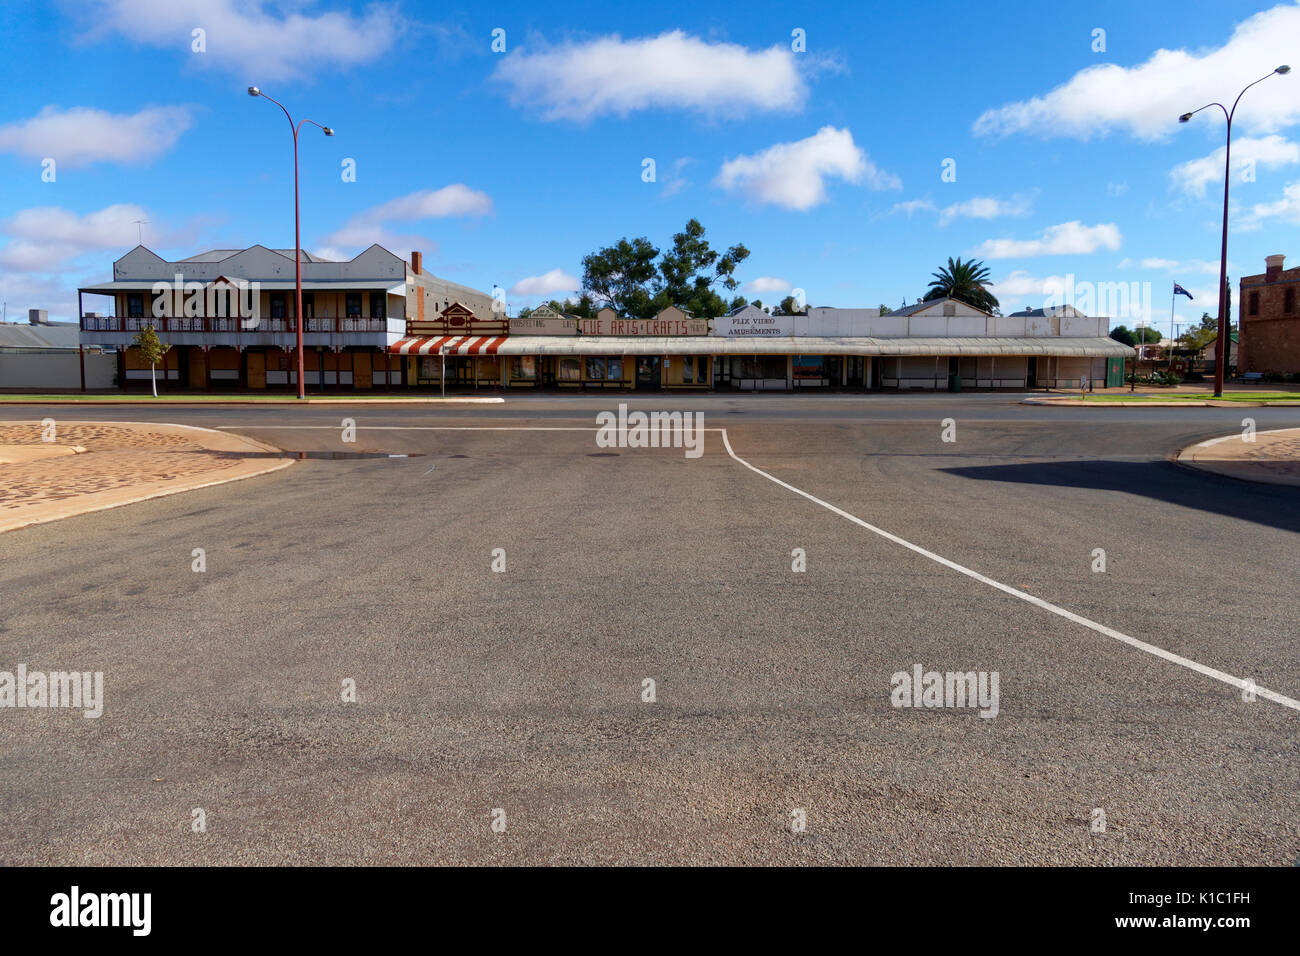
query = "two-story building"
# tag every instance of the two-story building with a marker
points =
(1268, 320)
(229, 316)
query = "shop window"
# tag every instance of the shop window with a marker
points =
(523, 368)
(688, 370)
(378, 305)
(569, 369)
(595, 368)
(762, 366)
(1254, 303)
(354, 305)
(614, 369)
(1288, 302)
(808, 366)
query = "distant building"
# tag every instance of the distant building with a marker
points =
(1268, 320)
(353, 312)
(43, 355)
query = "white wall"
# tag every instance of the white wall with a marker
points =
(56, 370)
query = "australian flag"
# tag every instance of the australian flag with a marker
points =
(1179, 290)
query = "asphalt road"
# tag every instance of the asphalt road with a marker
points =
(522, 690)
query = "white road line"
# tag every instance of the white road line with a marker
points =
(1238, 682)
(1160, 652)
(446, 428)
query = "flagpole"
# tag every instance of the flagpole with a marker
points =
(1173, 297)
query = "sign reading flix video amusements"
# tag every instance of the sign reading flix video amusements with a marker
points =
(751, 322)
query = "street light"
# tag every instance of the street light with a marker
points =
(297, 242)
(1220, 343)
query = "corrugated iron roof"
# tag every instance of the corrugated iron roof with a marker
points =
(39, 336)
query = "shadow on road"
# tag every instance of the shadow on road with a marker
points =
(1276, 506)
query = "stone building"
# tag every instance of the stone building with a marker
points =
(1268, 320)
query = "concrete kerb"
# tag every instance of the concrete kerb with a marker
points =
(89, 502)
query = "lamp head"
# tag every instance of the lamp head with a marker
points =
(1185, 117)
(254, 91)
(329, 130)
(1283, 70)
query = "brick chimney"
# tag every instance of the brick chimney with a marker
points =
(1273, 268)
(417, 261)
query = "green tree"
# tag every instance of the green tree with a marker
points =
(964, 281)
(152, 351)
(690, 269)
(1122, 333)
(1147, 335)
(627, 277)
(739, 302)
(884, 309)
(1199, 336)
(621, 275)
(791, 307)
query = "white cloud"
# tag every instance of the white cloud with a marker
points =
(549, 283)
(80, 135)
(373, 225)
(1020, 284)
(676, 182)
(912, 206)
(610, 75)
(1068, 238)
(765, 284)
(1286, 209)
(1145, 101)
(243, 36)
(47, 238)
(44, 247)
(987, 207)
(454, 200)
(1270, 152)
(793, 175)
(1183, 266)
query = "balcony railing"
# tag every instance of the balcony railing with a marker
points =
(327, 324)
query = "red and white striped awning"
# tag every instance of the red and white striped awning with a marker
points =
(451, 344)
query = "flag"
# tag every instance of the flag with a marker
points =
(1179, 290)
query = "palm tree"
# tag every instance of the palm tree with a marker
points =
(965, 281)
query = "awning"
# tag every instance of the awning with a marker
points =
(452, 344)
(1054, 345)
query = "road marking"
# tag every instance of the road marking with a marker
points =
(1160, 652)
(1237, 436)
(448, 428)
(1239, 683)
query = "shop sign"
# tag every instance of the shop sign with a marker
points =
(615, 326)
(753, 322)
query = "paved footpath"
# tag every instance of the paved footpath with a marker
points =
(62, 468)
(1271, 456)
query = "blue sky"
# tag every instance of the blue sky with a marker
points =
(506, 168)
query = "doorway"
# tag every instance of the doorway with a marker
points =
(1031, 374)
(649, 374)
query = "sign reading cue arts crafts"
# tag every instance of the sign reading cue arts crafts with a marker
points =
(610, 325)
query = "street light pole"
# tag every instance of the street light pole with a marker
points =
(1220, 343)
(297, 239)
